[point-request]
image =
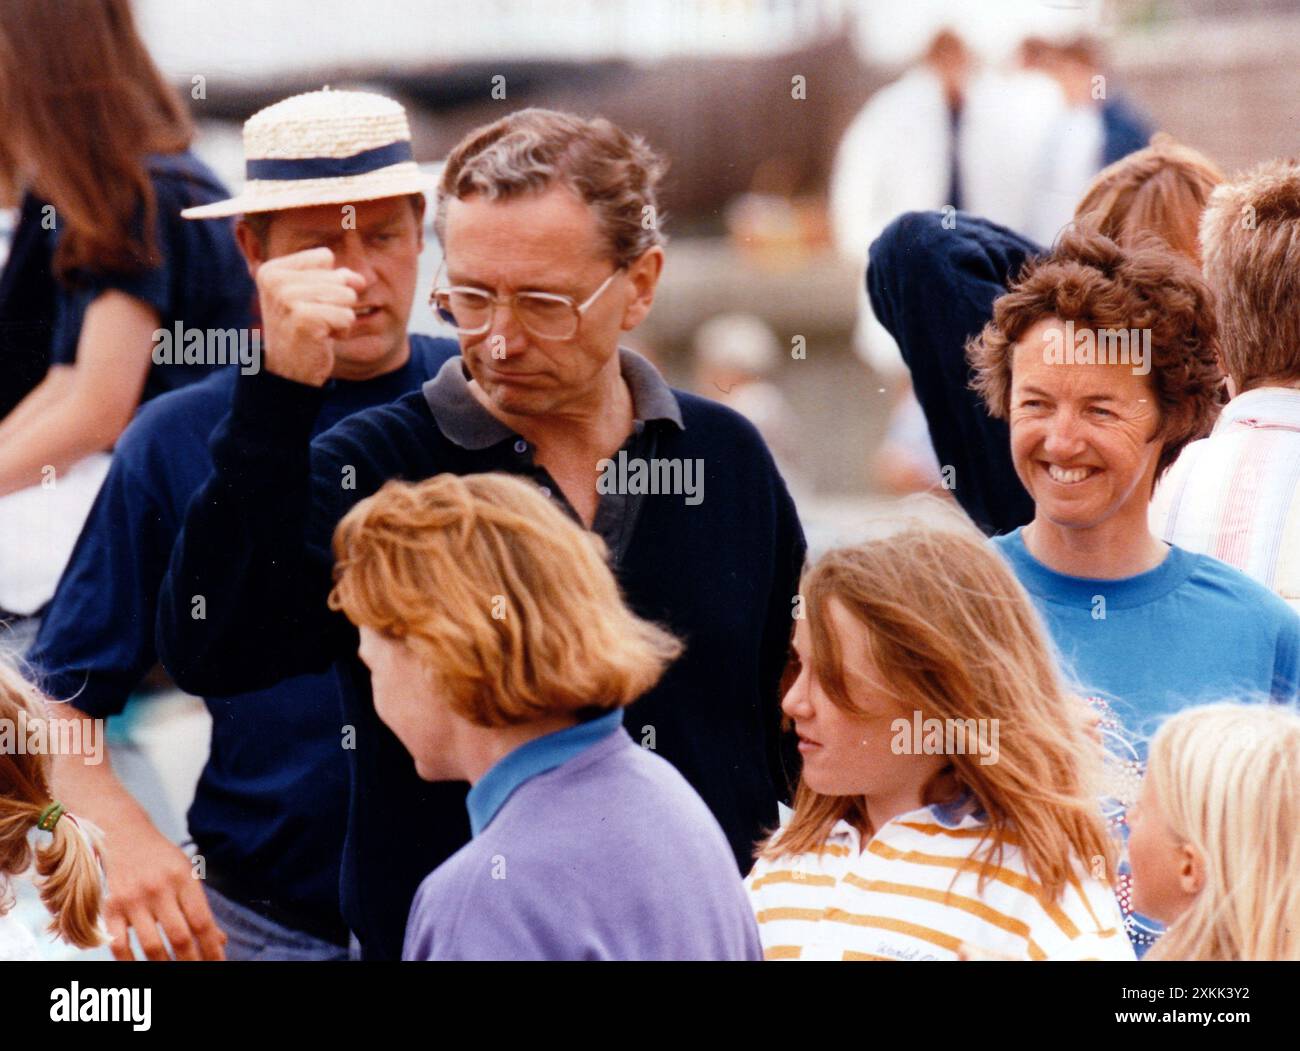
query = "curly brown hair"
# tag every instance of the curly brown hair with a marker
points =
(1090, 280)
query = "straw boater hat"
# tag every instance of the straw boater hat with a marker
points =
(324, 147)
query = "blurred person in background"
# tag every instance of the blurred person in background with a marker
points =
(946, 135)
(899, 154)
(933, 280)
(270, 810)
(92, 128)
(1236, 493)
(1096, 128)
(735, 357)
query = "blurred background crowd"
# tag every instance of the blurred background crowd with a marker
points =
(769, 111)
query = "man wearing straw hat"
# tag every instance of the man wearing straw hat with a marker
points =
(552, 252)
(331, 182)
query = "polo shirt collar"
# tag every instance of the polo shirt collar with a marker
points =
(955, 812)
(964, 809)
(1268, 407)
(463, 419)
(539, 755)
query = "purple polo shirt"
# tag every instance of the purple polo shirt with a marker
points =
(586, 847)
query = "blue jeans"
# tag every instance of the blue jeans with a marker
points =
(251, 936)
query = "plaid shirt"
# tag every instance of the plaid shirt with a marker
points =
(1236, 495)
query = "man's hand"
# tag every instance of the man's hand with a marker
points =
(306, 305)
(151, 884)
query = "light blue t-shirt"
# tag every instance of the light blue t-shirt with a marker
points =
(1191, 631)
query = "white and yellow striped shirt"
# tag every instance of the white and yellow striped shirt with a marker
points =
(897, 899)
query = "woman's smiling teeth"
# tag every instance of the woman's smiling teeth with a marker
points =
(1069, 475)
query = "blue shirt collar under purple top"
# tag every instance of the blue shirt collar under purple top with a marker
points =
(528, 760)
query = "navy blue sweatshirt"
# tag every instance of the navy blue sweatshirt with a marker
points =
(933, 288)
(721, 574)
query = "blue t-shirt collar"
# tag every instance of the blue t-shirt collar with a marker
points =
(1121, 593)
(528, 760)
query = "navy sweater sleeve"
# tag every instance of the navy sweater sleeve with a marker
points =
(933, 289)
(96, 639)
(783, 747)
(243, 603)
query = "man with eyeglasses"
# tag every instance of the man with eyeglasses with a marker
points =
(552, 253)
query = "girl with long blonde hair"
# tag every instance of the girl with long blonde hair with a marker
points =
(948, 801)
(1213, 840)
(68, 874)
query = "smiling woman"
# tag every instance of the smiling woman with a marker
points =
(1089, 440)
(1093, 286)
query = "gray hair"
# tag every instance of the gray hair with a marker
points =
(614, 173)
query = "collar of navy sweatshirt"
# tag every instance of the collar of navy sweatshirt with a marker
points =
(463, 419)
(539, 755)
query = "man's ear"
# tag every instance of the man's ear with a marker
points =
(644, 275)
(250, 246)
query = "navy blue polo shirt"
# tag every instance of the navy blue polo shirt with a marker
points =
(271, 806)
(200, 281)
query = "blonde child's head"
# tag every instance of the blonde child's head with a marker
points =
(1214, 842)
(67, 866)
(928, 623)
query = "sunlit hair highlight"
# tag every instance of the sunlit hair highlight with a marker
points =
(503, 596)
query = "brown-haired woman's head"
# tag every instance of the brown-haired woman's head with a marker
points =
(84, 106)
(1160, 190)
(67, 866)
(927, 627)
(505, 604)
(1104, 360)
